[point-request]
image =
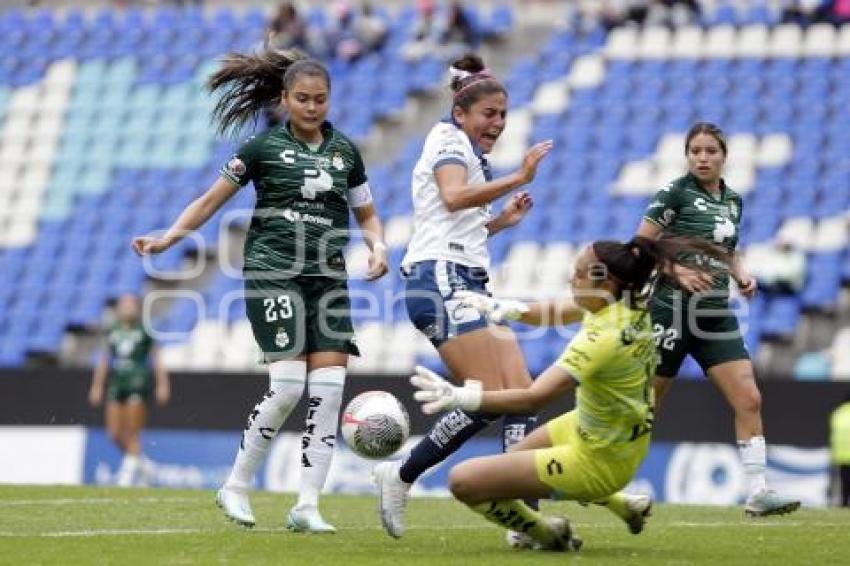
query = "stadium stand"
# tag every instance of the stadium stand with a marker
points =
(105, 133)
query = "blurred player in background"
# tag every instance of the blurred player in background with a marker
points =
(452, 189)
(593, 451)
(128, 374)
(308, 176)
(701, 205)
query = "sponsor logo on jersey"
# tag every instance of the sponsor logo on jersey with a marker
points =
(236, 167)
(295, 216)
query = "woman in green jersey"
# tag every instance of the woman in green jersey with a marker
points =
(692, 316)
(308, 177)
(128, 374)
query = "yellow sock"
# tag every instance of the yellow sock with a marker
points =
(517, 516)
(616, 503)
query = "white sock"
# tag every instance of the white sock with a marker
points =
(320, 428)
(128, 470)
(286, 384)
(754, 457)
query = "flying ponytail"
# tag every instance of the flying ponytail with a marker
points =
(633, 264)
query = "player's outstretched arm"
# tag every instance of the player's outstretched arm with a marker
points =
(557, 312)
(193, 217)
(458, 194)
(436, 394)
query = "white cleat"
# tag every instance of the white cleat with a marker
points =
(392, 497)
(640, 507)
(307, 519)
(519, 540)
(236, 506)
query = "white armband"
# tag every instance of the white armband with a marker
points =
(359, 196)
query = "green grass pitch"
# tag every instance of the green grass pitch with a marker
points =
(87, 525)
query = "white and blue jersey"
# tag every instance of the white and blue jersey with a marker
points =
(459, 236)
(448, 250)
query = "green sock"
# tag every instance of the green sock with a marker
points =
(515, 515)
(616, 503)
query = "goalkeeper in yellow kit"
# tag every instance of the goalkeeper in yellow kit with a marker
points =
(590, 453)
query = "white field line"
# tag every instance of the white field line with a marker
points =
(190, 531)
(96, 501)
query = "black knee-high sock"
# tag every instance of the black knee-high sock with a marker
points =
(514, 429)
(448, 434)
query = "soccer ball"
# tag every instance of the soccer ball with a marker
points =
(375, 424)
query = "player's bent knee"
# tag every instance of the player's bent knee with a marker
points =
(462, 484)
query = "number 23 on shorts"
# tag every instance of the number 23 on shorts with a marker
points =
(278, 308)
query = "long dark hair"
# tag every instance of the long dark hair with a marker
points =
(249, 84)
(633, 264)
(479, 82)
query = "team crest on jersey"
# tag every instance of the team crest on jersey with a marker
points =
(236, 167)
(338, 162)
(281, 339)
(733, 210)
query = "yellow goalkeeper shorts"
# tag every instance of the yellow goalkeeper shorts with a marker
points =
(576, 470)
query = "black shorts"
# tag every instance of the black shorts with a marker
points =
(711, 336)
(298, 316)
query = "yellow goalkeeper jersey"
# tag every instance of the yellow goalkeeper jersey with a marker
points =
(613, 359)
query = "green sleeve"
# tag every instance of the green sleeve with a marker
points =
(664, 207)
(242, 167)
(357, 175)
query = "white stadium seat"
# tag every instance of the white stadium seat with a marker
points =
(61, 73)
(774, 150)
(830, 235)
(820, 41)
(671, 150)
(842, 44)
(621, 43)
(636, 178)
(752, 41)
(587, 71)
(655, 43)
(742, 150)
(687, 43)
(551, 97)
(720, 42)
(785, 41)
(741, 177)
(797, 230)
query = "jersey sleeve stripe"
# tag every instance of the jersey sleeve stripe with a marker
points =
(654, 221)
(450, 161)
